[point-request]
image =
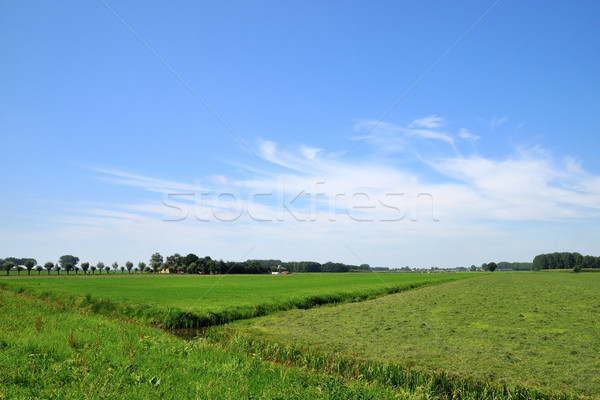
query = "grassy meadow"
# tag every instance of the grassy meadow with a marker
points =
(538, 330)
(194, 300)
(406, 336)
(51, 351)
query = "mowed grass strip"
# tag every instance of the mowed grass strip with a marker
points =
(188, 301)
(532, 329)
(49, 352)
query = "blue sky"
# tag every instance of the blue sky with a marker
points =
(391, 133)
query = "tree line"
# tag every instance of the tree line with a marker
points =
(176, 263)
(564, 260)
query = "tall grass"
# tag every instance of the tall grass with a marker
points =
(50, 353)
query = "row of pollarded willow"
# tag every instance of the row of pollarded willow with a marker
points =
(85, 267)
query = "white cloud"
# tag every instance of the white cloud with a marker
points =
(309, 152)
(430, 122)
(388, 134)
(267, 150)
(465, 134)
(485, 207)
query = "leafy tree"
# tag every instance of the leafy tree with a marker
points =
(85, 266)
(115, 266)
(492, 266)
(93, 268)
(141, 266)
(129, 266)
(76, 269)
(39, 269)
(100, 267)
(157, 258)
(192, 268)
(49, 265)
(8, 265)
(19, 269)
(155, 266)
(147, 269)
(29, 265)
(68, 266)
(63, 260)
(190, 258)
(57, 268)
(122, 268)
(107, 269)
(174, 261)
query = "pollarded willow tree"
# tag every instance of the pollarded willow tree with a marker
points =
(29, 264)
(8, 265)
(49, 265)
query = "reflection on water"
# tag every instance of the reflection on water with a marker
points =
(193, 334)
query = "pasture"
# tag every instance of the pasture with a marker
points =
(195, 300)
(407, 336)
(538, 330)
(51, 351)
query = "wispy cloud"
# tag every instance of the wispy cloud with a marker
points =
(302, 202)
(395, 135)
(430, 122)
(465, 134)
(496, 122)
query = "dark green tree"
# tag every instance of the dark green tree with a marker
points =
(49, 265)
(100, 267)
(29, 264)
(141, 266)
(93, 268)
(63, 260)
(68, 266)
(39, 269)
(155, 266)
(85, 266)
(129, 266)
(156, 257)
(492, 266)
(8, 265)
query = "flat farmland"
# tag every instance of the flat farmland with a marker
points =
(48, 351)
(230, 297)
(531, 329)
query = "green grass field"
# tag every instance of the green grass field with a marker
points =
(493, 336)
(52, 352)
(533, 329)
(216, 299)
